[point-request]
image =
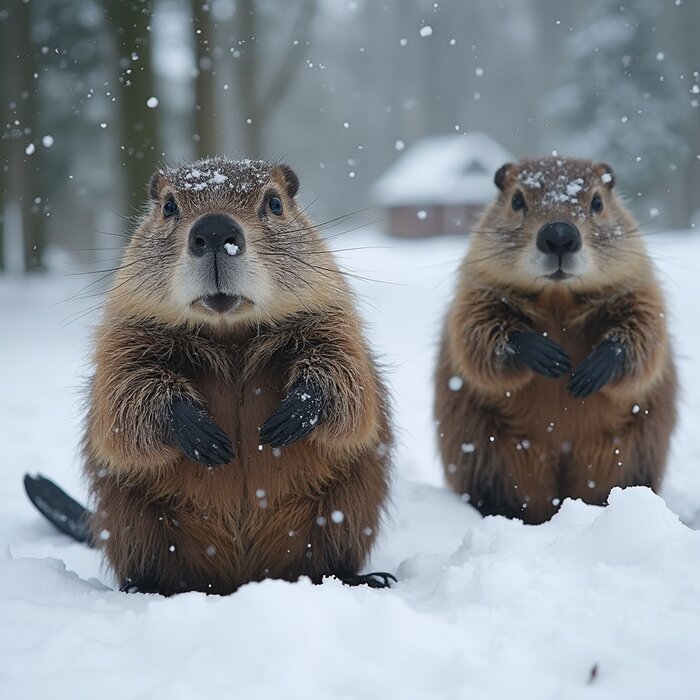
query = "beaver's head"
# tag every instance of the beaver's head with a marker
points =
(224, 242)
(557, 221)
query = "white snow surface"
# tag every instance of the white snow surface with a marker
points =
(484, 608)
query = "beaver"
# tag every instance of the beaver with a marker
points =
(237, 425)
(556, 278)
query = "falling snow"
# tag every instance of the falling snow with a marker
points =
(455, 383)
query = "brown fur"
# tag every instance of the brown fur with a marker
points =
(515, 442)
(169, 524)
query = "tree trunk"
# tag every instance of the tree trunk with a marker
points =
(205, 120)
(22, 154)
(5, 60)
(248, 75)
(690, 20)
(137, 111)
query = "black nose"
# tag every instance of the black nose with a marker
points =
(216, 233)
(559, 237)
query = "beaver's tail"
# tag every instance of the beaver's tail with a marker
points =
(59, 508)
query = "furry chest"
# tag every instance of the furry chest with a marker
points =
(240, 408)
(545, 413)
(259, 478)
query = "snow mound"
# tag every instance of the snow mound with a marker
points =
(513, 610)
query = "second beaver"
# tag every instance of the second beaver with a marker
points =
(556, 277)
(237, 426)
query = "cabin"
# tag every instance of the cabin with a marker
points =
(440, 184)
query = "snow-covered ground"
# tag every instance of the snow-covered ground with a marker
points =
(600, 603)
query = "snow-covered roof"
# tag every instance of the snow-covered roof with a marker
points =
(447, 169)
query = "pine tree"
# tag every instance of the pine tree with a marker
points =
(620, 99)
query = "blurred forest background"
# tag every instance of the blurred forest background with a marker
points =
(95, 94)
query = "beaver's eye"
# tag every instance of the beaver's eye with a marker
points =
(169, 208)
(518, 201)
(275, 204)
(597, 203)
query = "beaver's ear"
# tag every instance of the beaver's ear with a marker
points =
(501, 176)
(606, 174)
(158, 184)
(288, 176)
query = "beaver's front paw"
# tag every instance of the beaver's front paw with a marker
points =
(540, 354)
(603, 365)
(299, 413)
(196, 434)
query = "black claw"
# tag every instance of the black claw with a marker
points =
(133, 586)
(196, 434)
(59, 508)
(375, 579)
(603, 365)
(299, 413)
(540, 354)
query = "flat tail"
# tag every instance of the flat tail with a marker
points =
(64, 513)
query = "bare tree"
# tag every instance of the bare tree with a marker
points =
(260, 104)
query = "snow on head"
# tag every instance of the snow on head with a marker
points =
(558, 181)
(201, 179)
(573, 188)
(237, 177)
(530, 179)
